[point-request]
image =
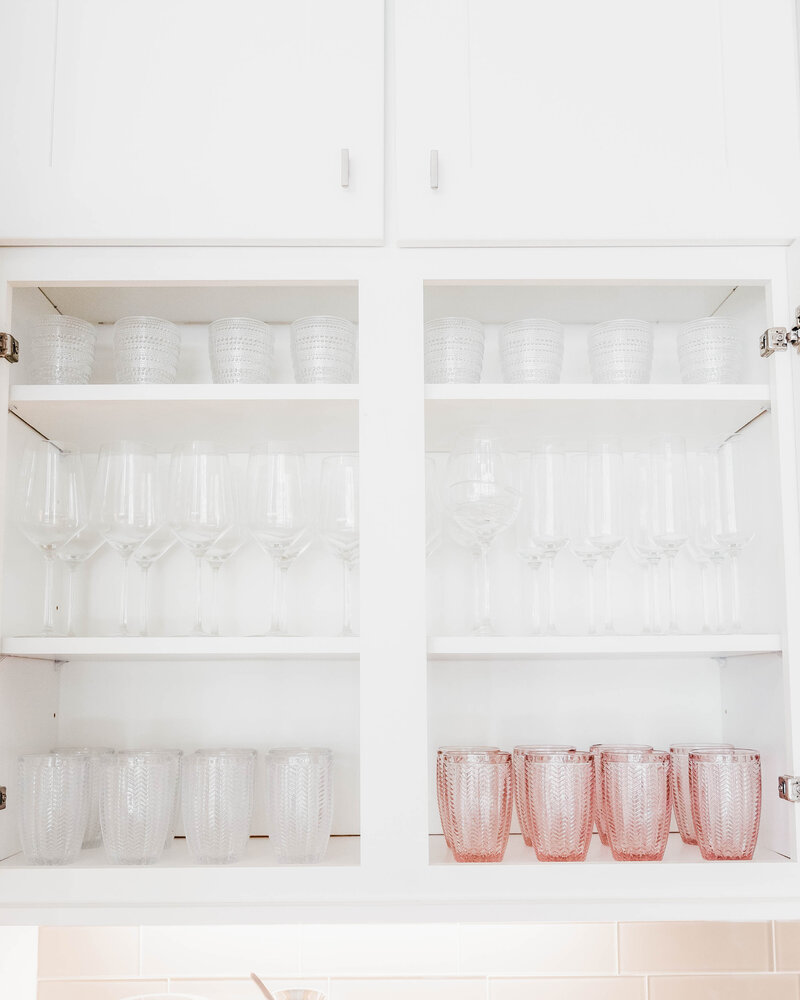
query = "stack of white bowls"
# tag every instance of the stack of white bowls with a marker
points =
(146, 349)
(710, 351)
(63, 351)
(453, 350)
(621, 351)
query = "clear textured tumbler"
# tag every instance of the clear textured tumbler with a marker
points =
(520, 791)
(559, 792)
(92, 837)
(441, 789)
(681, 795)
(478, 796)
(726, 802)
(218, 804)
(299, 803)
(137, 796)
(595, 749)
(53, 797)
(637, 803)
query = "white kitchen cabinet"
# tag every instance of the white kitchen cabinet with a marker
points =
(414, 678)
(579, 122)
(169, 123)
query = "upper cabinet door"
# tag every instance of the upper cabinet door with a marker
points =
(580, 121)
(177, 121)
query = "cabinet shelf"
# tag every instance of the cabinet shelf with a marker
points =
(120, 648)
(555, 647)
(578, 411)
(319, 417)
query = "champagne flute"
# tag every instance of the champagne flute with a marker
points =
(735, 526)
(604, 513)
(483, 500)
(154, 547)
(201, 505)
(51, 507)
(74, 554)
(125, 504)
(670, 508)
(276, 515)
(339, 521)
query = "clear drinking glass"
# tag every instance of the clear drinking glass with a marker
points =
(453, 349)
(605, 530)
(95, 756)
(596, 750)
(137, 800)
(670, 508)
(339, 521)
(154, 547)
(276, 514)
(74, 554)
(559, 795)
(531, 350)
(710, 350)
(300, 803)
(125, 504)
(726, 802)
(323, 349)
(177, 758)
(146, 349)
(478, 797)
(441, 788)
(735, 529)
(51, 507)
(483, 499)
(681, 793)
(218, 804)
(201, 505)
(542, 521)
(640, 537)
(520, 791)
(621, 350)
(240, 350)
(53, 806)
(578, 531)
(637, 803)
(62, 351)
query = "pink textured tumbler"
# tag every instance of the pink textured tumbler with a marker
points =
(440, 786)
(679, 776)
(596, 749)
(478, 800)
(637, 803)
(560, 796)
(520, 791)
(726, 802)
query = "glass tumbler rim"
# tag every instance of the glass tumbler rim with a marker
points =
(560, 757)
(526, 748)
(636, 756)
(204, 753)
(686, 748)
(491, 756)
(722, 754)
(88, 751)
(301, 751)
(619, 747)
(52, 758)
(455, 748)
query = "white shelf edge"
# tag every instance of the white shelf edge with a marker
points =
(663, 392)
(582, 646)
(182, 648)
(182, 392)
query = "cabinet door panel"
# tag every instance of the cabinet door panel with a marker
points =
(180, 122)
(583, 121)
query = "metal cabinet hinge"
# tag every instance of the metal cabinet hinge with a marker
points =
(778, 338)
(9, 348)
(789, 787)
(3, 797)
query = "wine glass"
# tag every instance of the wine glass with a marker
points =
(735, 526)
(339, 521)
(702, 545)
(154, 547)
(201, 505)
(276, 515)
(51, 506)
(483, 500)
(670, 508)
(604, 491)
(640, 537)
(74, 554)
(221, 550)
(541, 526)
(125, 504)
(578, 531)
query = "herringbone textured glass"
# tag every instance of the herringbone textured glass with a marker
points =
(441, 789)
(726, 802)
(137, 795)
(559, 790)
(299, 803)
(679, 776)
(637, 803)
(479, 799)
(95, 755)
(53, 797)
(176, 805)
(218, 804)
(595, 749)
(520, 791)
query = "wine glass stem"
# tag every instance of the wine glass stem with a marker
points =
(347, 626)
(123, 601)
(145, 630)
(591, 594)
(649, 626)
(719, 593)
(608, 626)
(72, 569)
(736, 609)
(672, 628)
(280, 572)
(198, 617)
(550, 597)
(704, 587)
(48, 628)
(533, 575)
(484, 623)
(213, 610)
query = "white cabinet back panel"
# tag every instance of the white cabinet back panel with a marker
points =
(177, 123)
